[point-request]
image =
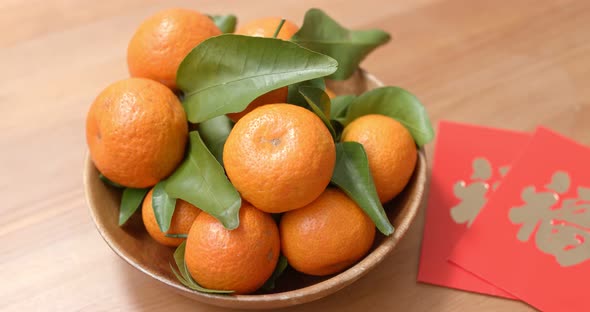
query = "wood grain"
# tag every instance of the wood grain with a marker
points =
(513, 64)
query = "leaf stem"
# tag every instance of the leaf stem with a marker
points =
(279, 28)
(177, 235)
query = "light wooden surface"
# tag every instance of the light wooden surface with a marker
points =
(513, 64)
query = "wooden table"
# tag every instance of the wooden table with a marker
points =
(512, 64)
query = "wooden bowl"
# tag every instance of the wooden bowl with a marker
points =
(134, 245)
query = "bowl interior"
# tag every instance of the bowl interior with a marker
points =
(133, 244)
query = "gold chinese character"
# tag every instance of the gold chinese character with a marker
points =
(473, 196)
(562, 232)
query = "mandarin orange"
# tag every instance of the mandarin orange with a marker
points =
(279, 157)
(182, 219)
(391, 151)
(136, 131)
(326, 236)
(266, 27)
(240, 260)
(163, 40)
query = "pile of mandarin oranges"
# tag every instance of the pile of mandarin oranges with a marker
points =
(280, 157)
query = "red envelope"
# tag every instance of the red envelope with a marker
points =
(532, 239)
(469, 162)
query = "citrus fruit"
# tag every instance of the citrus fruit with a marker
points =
(182, 219)
(266, 27)
(163, 40)
(326, 236)
(276, 96)
(136, 132)
(240, 260)
(391, 151)
(279, 157)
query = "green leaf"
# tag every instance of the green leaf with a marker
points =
(353, 176)
(179, 277)
(279, 269)
(130, 201)
(225, 73)
(214, 133)
(338, 112)
(296, 98)
(322, 34)
(225, 23)
(338, 128)
(319, 102)
(340, 106)
(201, 181)
(182, 268)
(184, 276)
(109, 182)
(163, 206)
(398, 104)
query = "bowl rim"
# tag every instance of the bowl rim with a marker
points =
(300, 295)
